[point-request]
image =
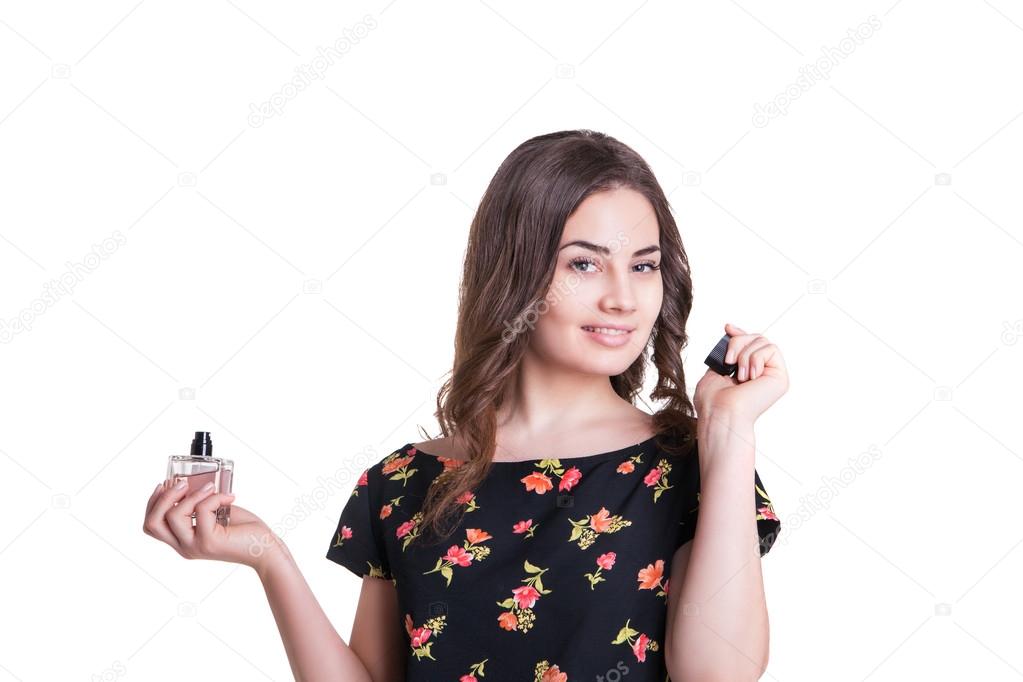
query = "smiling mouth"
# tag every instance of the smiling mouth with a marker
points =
(610, 331)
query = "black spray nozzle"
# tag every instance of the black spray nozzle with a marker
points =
(202, 444)
(716, 359)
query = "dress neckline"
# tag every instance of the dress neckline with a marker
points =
(600, 456)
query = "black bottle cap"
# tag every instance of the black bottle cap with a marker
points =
(202, 444)
(716, 359)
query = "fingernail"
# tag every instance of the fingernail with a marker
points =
(207, 487)
(180, 484)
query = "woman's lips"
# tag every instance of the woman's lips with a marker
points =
(614, 339)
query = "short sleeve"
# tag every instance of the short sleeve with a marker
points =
(357, 543)
(768, 523)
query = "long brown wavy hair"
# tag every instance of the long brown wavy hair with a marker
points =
(510, 262)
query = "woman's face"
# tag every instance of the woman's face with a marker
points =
(607, 276)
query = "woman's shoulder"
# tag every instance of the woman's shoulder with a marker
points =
(408, 461)
(440, 447)
(397, 463)
(450, 449)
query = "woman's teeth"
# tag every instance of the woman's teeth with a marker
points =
(605, 330)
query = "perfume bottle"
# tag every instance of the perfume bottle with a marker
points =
(200, 467)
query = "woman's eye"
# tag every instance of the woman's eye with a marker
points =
(581, 261)
(589, 261)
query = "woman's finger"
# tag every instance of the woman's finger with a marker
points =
(161, 488)
(167, 507)
(242, 515)
(179, 518)
(771, 355)
(758, 359)
(158, 529)
(767, 354)
(745, 355)
(152, 498)
(156, 521)
(206, 514)
(736, 345)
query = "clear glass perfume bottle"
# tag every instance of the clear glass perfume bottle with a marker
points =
(200, 467)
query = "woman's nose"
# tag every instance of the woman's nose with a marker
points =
(619, 294)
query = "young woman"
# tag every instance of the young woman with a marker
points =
(551, 533)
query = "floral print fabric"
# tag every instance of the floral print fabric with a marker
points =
(558, 571)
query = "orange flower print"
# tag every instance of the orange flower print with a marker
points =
(475, 535)
(449, 463)
(468, 498)
(605, 562)
(409, 530)
(463, 556)
(537, 482)
(629, 465)
(420, 637)
(474, 670)
(545, 672)
(650, 577)
(520, 616)
(540, 481)
(398, 464)
(508, 621)
(588, 528)
(388, 508)
(658, 476)
(526, 528)
(637, 641)
(600, 521)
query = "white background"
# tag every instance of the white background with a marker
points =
(873, 232)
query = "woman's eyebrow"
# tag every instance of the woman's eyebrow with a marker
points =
(607, 251)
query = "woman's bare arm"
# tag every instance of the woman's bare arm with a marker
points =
(315, 650)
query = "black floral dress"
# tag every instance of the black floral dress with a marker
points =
(559, 570)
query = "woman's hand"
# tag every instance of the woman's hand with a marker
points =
(761, 378)
(245, 540)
